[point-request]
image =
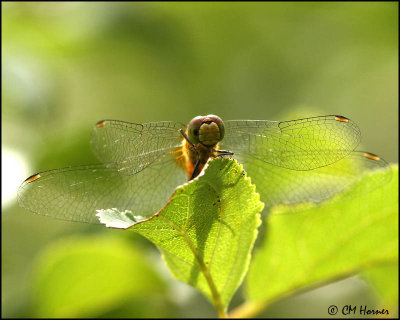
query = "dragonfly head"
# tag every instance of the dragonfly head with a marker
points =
(207, 130)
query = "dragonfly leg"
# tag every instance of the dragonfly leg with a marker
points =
(196, 167)
(188, 140)
(186, 137)
(222, 153)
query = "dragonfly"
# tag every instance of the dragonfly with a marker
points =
(302, 160)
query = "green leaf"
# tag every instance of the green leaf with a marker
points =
(207, 230)
(326, 243)
(385, 279)
(89, 276)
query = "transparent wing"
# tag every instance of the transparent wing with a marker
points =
(75, 193)
(278, 185)
(302, 144)
(131, 147)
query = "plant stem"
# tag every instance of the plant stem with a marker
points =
(247, 310)
(206, 272)
(215, 294)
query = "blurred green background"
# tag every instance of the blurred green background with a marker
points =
(67, 65)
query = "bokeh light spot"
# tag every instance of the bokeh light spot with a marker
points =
(14, 169)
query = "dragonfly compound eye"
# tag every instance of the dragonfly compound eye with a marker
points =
(218, 121)
(193, 129)
(208, 130)
(211, 131)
